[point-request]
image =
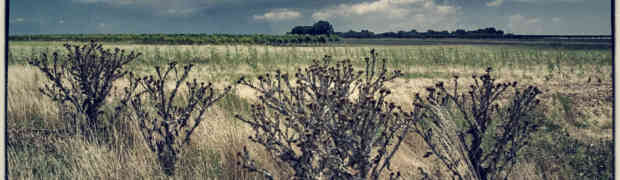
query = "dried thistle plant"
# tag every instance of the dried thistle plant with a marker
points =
(316, 126)
(473, 134)
(166, 122)
(83, 79)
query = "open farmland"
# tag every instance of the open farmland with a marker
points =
(576, 101)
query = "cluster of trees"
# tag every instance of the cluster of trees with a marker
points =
(459, 33)
(319, 28)
(184, 38)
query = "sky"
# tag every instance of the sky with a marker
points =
(548, 17)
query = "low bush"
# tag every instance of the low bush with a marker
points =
(478, 134)
(329, 121)
(81, 81)
(167, 119)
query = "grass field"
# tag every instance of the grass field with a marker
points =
(577, 100)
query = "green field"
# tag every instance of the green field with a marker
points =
(576, 83)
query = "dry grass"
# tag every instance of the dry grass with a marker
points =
(26, 103)
(220, 136)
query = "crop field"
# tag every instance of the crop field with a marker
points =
(574, 140)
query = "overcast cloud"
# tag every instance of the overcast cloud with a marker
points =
(279, 16)
(519, 23)
(390, 15)
(552, 1)
(495, 3)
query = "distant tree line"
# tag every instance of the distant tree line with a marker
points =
(184, 38)
(325, 28)
(486, 33)
(459, 33)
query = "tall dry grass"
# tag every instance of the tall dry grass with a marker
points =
(39, 150)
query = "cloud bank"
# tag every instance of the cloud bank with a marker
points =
(158, 7)
(278, 15)
(390, 15)
(525, 25)
(495, 3)
(550, 1)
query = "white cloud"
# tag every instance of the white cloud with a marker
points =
(19, 20)
(549, 1)
(320, 15)
(390, 15)
(495, 3)
(394, 8)
(556, 19)
(101, 25)
(182, 12)
(61, 21)
(525, 25)
(278, 15)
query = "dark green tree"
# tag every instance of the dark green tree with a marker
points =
(322, 27)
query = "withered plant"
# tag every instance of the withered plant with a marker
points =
(328, 121)
(82, 80)
(478, 134)
(166, 118)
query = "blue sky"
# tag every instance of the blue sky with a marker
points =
(279, 16)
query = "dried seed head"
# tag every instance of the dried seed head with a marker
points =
(537, 91)
(240, 80)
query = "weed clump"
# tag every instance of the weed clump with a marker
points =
(477, 135)
(329, 121)
(81, 81)
(166, 121)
